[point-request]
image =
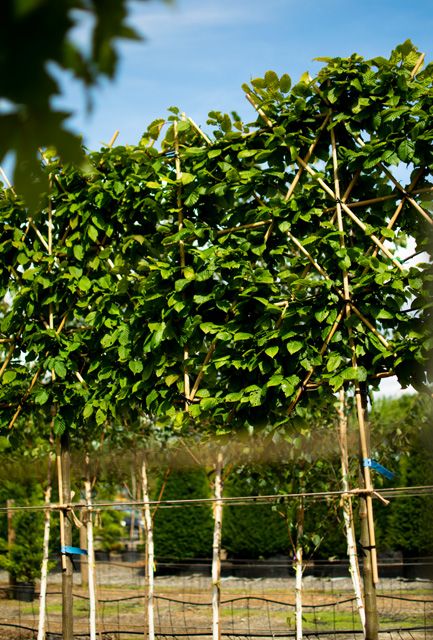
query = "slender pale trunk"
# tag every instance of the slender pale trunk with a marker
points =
(64, 478)
(91, 557)
(44, 566)
(216, 550)
(368, 538)
(84, 565)
(299, 569)
(10, 502)
(150, 555)
(348, 510)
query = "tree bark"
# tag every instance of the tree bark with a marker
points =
(84, 565)
(64, 476)
(44, 567)
(11, 535)
(150, 556)
(91, 556)
(299, 569)
(216, 550)
(348, 510)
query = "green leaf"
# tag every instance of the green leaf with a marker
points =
(294, 346)
(285, 83)
(333, 362)
(171, 379)
(59, 425)
(8, 376)
(275, 381)
(272, 351)
(60, 369)
(186, 178)
(406, 150)
(101, 417)
(136, 366)
(92, 232)
(41, 397)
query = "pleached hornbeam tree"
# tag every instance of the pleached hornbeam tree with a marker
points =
(214, 279)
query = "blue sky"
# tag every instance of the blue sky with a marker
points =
(197, 53)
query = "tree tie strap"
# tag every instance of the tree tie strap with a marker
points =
(373, 464)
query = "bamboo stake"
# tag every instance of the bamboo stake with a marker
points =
(216, 550)
(6, 179)
(7, 359)
(113, 138)
(417, 66)
(39, 234)
(202, 133)
(186, 381)
(150, 555)
(369, 584)
(307, 158)
(346, 503)
(396, 214)
(252, 225)
(202, 368)
(45, 556)
(90, 553)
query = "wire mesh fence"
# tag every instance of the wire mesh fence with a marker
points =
(250, 607)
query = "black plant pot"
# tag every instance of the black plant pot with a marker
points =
(24, 591)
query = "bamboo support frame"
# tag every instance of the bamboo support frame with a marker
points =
(330, 192)
(360, 410)
(398, 186)
(350, 213)
(340, 293)
(186, 380)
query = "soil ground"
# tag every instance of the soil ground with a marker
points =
(260, 606)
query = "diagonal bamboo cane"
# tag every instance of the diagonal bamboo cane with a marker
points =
(360, 410)
(186, 380)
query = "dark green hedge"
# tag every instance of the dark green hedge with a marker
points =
(184, 532)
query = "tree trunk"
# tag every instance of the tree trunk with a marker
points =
(91, 557)
(348, 510)
(368, 540)
(11, 536)
(216, 551)
(64, 477)
(299, 569)
(150, 555)
(44, 567)
(84, 565)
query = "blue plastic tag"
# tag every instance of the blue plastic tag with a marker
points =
(76, 551)
(368, 462)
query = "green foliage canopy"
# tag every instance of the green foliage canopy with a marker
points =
(224, 261)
